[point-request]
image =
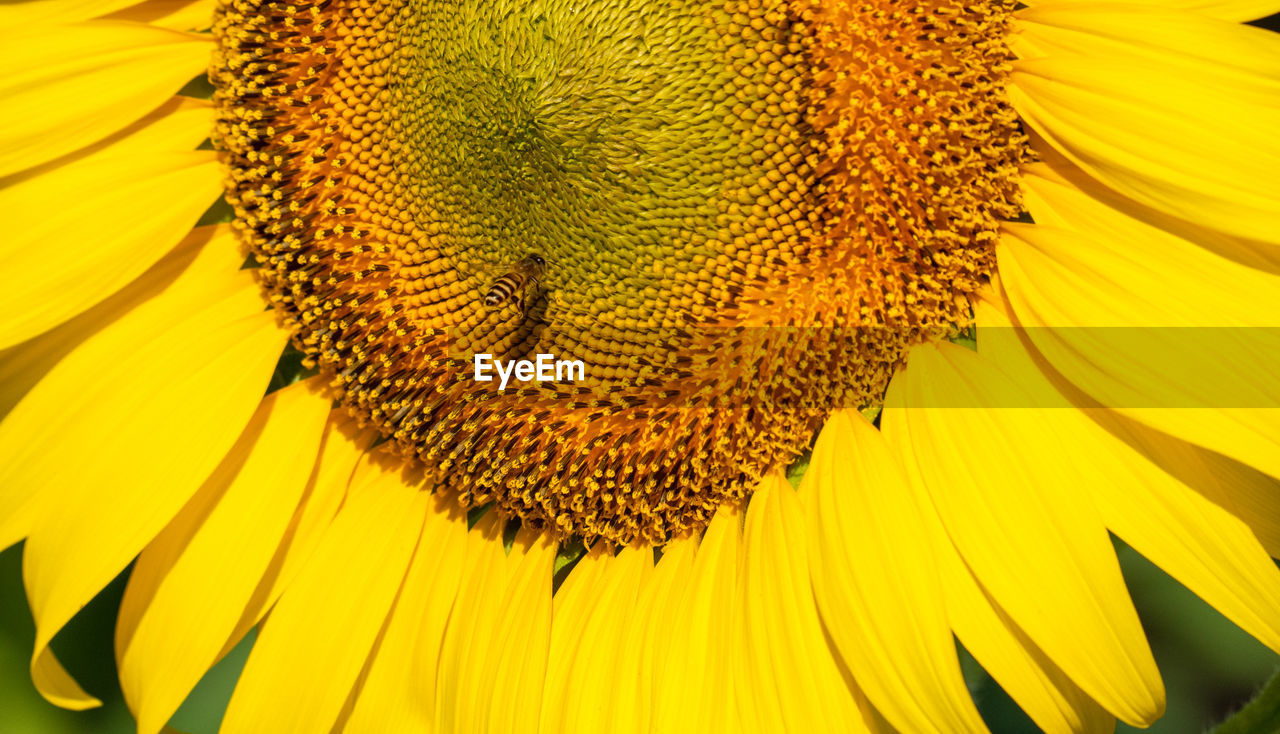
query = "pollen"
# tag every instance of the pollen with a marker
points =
(749, 211)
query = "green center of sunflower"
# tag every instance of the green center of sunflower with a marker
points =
(737, 215)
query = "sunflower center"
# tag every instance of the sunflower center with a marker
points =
(737, 216)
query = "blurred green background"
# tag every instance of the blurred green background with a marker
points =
(1210, 667)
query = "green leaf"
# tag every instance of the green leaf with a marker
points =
(796, 471)
(1259, 716)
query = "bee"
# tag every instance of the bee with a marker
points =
(519, 281)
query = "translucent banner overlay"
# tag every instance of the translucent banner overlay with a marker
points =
(1119, 367)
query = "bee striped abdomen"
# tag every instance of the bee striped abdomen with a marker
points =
(522, 276)
(502, 290)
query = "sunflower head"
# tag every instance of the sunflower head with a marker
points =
(748, 211)
(746, 220)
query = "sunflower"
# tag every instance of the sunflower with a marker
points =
(1004, 278)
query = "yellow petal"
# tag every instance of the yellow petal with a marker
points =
(1226, 9)
(1196, 142)
(494, 656)
(788, 679)
(1241, 490)
(19, 14)
(571, 608)
(138, 197)
(1164, 279)
(57, 685)
(1245, 492)
(399, 691)
(192, 583)
(513, 673)
(1198, 542)
(1166, 31)
(22, 366)
(147, 407)
(645, 643)
(586, 676)
(693, 681)
(877, 583)
(343, 449)
(1031, 678)
(317, 638)
(69, 406)
(1240, 10)
(606, 672)
(1211, 385)
(1057, 169)
(471, 623)
(1009, 497)
(66, 86)
(341, 452)
(178, 15)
